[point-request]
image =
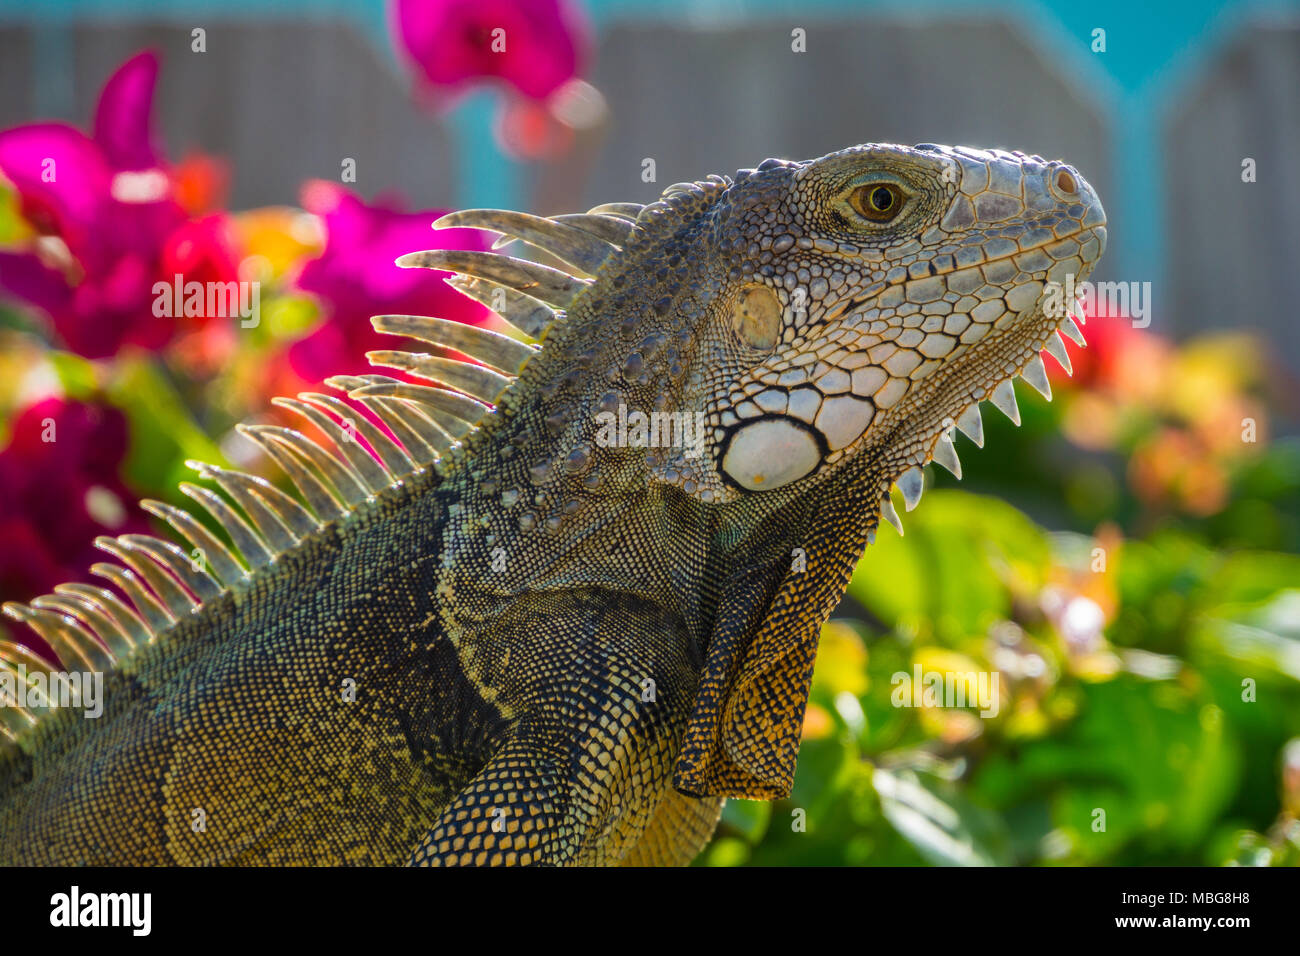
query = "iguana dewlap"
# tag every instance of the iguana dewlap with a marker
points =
(575, 603)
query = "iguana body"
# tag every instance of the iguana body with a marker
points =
(543, 649)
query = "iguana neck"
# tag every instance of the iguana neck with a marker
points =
(535, 503)
(539, 501)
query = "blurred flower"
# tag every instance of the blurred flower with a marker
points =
(355, 278)
(200, 183)
(1291, 777)
(276, 238)
(1173, 467)
(1118, 356)
(1080, 624)
(1210, 390)
(124, 116)
(58, 490)
(941, 668)
(535, 47)
(103, 206)
(817, 722)
(202, 250)
(1182, 414)
(105, 213)
(532, 129)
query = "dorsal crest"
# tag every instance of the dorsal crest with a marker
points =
(406, 427)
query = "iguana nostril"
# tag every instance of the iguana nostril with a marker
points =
(1065, 182)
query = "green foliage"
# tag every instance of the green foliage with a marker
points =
(1155, 738)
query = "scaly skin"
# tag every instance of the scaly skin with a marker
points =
(566, 652)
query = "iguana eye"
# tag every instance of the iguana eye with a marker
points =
(879, 202)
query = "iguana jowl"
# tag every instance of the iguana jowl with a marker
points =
(564, 649)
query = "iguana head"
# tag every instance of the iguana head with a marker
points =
(805, 314)
(865, 302)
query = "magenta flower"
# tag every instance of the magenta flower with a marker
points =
(355, 278)
(105, 212)
(124, 116)
(533, 45)
(59, 489)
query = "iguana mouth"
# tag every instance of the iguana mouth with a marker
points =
(1078, 235)
(851, 305)
(1030, 333)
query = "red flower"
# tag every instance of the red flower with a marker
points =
(59, 489)
(200, 183)
(1094, 365)
(201, 250)
(355, 278)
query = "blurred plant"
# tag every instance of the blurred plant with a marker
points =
(88, 226)
(1146, 683)
(59, 489)
(1151, 435)
(1186, 416)
(1280, 846)
(535, 48)
(105, 222)
(1093, 751)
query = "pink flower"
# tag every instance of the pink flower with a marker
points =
(105, 211)
(59, 489)
(355, 278)
(533, 45)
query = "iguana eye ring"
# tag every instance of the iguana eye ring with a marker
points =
(878, 202)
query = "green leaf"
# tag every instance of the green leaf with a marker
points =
(12, 225)
(955, 570)
(1156, 757)
(1253, 576)
(823, 769)
(78, 376)
(749, 818)
(725, 851)
(17, 319)
(1264, 637)
(163, 433)
(289, 316)
(944, 827)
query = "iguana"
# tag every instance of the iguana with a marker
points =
(514, 625)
